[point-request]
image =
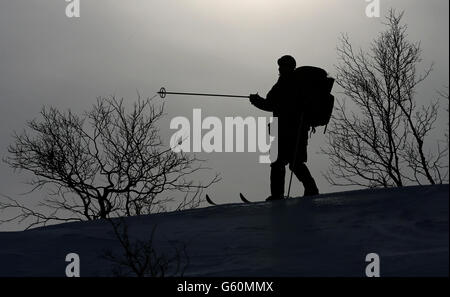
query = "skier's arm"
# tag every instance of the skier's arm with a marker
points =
(261, 103)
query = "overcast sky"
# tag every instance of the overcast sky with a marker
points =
(224, 46)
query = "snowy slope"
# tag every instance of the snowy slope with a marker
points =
(329, 235)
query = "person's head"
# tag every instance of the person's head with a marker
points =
(286, 65)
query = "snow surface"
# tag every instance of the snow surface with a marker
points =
(329, 235)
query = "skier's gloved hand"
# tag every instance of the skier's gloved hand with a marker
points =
(254, 98)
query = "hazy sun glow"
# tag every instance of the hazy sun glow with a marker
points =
(254, 10)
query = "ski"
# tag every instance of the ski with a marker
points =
(209, 200)
(244, 199)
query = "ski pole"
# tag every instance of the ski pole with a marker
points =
(290, 181)
(162, 93)
(296, 150)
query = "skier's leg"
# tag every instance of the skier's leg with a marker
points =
(278, 168)
(277, 174)
(301, 171)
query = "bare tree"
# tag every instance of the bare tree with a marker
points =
(141, 258)
(380, 140)
(107, 162)
(444, 95)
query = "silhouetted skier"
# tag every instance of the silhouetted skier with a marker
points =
(292, 129)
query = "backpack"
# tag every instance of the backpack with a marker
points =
(313, 87)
